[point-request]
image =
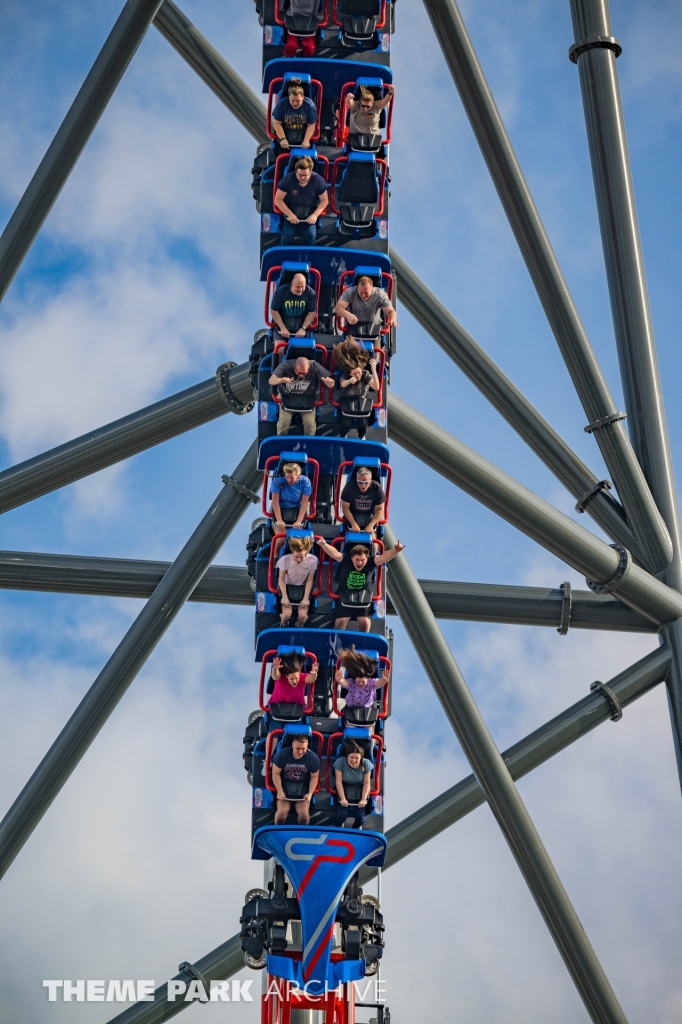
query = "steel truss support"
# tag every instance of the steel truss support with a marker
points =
(458, 801)
(230, 584)
(591, 493)
(502, 795)
(126, 661)
(530, 514)
(229, 391)
(595, 52)
(605, 421)
(73, 134)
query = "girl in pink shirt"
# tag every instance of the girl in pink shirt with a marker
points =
(290, 681)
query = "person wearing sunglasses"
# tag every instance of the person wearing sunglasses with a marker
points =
(363, 502)
(365, 110)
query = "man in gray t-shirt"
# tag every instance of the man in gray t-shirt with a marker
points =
(363, 303)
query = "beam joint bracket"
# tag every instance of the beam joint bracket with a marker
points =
(566, 606)
(605, 421)
(619, 576)
(195, 973)
(232, 402)
(230, 481)
(602, 485)
(606, 691)
(597, 43)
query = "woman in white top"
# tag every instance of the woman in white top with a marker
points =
(366, 110)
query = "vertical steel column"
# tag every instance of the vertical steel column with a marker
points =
(127, 660)
(605, 421)
(501, 793)
(595, 51)
(73, 134)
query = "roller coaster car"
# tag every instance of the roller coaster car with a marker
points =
(285, 711)
(349, 279)
(274, 469)
(377, 710)
(312, 90)
(357, 193)
(359, 19)
(358, 140)
(381, 474)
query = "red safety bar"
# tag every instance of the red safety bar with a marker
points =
(309, 707)
(384, 690)
(268, 750)
(387, 490)
(377, 764)
(312, 507)
(272, 587)
(343, 129)
(318, 104)
(282, 158)
(380, 574)
(379, 24)
(270, 290)
(382, 184)
(381, 359)
(282, 21)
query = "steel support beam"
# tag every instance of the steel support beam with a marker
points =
(214, 69)
(229, 391)
(73, 134)
(502, 795)
(230, 584)
(530, 514)
(603, 416)
(490, 380)
(126, 661)
(595, 51)
(455, 803)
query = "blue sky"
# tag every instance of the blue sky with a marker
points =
(143, 280)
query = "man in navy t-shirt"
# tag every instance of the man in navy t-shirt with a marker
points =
(293, 307)
(299, 767)
(294, 118)
(302, 197)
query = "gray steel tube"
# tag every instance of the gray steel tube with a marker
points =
(416, 830)
(73, 134)
(529, 513)
(230, 584)
(487, 376)
(237, 96)
(642, 514)
(595, 52)
(526, 755)
(123, 438)
(126, 661)
(500, 792)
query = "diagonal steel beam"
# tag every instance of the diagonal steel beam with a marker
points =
(126, 661)
(604, 419)
(229, 391)
(502, 795)
(530, 514)
(73, 134)
(591, 493)
(230, 584)
(595, 52)
(455, 803)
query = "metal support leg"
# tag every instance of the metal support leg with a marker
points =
(73, 134)
(128, 436)
(530, 514)
(458, 801)
(126, 662)
(501, 793)
(603, 417)
(595, 52)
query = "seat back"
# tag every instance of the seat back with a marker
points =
(304, 24)
(360, 716)
(359, 190)
(358, 406)
(359, 18)
(284, 711)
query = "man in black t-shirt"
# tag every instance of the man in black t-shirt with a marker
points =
(299, 766)
(302, 197)
(363, 502)
(294, 307)
(355, 571)
(298, 381)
